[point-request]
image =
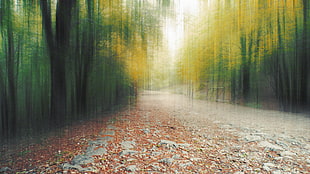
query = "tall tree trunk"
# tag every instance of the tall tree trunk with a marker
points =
(233, 84)
(58, 46)
(11, 75)
(9, 101)
(245, 69)
(84, 53)
(3, 107)
(305, 72)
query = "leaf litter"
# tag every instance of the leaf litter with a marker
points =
(146, 139)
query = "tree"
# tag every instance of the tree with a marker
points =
(58, 45)
(259, 46)
(8, 83)
(305, 72)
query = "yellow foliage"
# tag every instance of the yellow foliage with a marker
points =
(134, 56)
(225, 24)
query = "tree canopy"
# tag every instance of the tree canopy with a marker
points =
(250, 52)
(64, 60)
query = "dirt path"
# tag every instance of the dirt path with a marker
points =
(168, 133)
(287, 135)
(275, 123)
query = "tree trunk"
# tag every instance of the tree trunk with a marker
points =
(304, 96)
(58, 46)
(11, 76)
(245, 71)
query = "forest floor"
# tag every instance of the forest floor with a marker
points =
(169, 133)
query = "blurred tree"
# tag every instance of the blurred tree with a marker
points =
(8, 73)
(58, 45)
(259, 46)
(64, 60)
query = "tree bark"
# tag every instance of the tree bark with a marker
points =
(58, 45)
(305, 72)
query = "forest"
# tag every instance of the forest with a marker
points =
(68, 60)
(252, 52)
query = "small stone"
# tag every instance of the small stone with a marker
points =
(98, 152)
(111, 133)
(127, 152)
(68, 166)
(127, 144)
(184, 145)
(268, 166)
(184, 152)
(248, 168)
(156, 153)
(195, 159)
(307, 146)
(226, 126)
(281, 143)
(166, 160)
(146, 131)
(88, 169)
(90, 148)
(287, 153)
(151, 141)
(111, 127)
(252, 138)
(167, 142)
(157, 132)
(296, 142)
(117, 167)
(259, 134)
(177, 156)
(131, 159)
(277, 172)
(278, 158)
(308, 161)
(105, 138)
(5, 169)
(98, 142)
(239, 172)
(257, 170)
(82, 159)
(288, 158)
(186, 164)
(270, 146)
(131, 168)
(155, 167)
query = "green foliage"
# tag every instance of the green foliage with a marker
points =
(62, 61)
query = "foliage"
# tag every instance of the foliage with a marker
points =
(65, 60)
(245, 48)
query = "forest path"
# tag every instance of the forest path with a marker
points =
(169, 133)
(286, 134)
(274, 123)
